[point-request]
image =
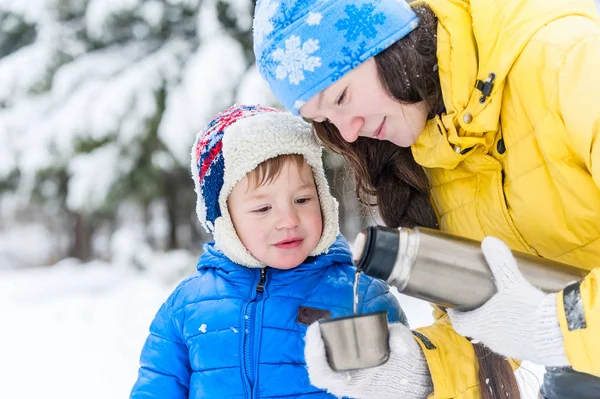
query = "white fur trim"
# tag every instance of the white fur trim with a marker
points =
(253, 140)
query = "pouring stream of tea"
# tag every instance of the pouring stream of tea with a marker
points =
(356, 279)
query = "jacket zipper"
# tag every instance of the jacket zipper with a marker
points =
(248, 328)
(260, 287)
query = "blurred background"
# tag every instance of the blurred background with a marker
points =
(100, 102)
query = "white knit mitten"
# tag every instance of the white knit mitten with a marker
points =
(404, 375)
(519, 321)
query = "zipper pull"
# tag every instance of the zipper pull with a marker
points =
(261, 283)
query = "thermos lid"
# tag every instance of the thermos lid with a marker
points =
(375, 251)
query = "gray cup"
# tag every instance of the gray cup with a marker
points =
(356, 342)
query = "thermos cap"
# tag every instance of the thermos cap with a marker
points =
(375, 251)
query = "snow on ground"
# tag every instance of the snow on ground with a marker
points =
(72, 331)
(75, 330)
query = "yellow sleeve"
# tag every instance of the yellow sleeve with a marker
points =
(579, 318)
(579, 85)
(451, 359)
(578, 88)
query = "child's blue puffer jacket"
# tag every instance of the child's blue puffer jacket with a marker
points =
(224, 333)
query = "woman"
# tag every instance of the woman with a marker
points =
(487, 110)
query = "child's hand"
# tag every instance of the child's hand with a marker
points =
(404, 375)
(519, 321)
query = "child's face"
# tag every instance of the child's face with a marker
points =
(280, 222)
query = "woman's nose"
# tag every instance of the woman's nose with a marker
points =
(349, 127)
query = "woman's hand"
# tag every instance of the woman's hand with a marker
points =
(519, 321)
(404, 375)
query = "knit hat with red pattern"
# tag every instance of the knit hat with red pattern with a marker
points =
(234, 143)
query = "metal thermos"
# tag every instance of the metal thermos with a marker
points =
(444, 269)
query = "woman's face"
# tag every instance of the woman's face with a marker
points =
(358, 105)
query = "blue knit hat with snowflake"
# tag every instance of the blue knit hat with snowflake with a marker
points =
(234, 143)
(303, 46)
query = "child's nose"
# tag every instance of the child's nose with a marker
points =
(288, 220)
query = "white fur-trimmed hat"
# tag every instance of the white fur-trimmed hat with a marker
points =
(234, 143)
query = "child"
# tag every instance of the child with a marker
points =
(235, 329)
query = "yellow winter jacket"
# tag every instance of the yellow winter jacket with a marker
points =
(517, 154)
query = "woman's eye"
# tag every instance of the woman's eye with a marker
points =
(341, 98)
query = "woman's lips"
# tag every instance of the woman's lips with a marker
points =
(289, 244)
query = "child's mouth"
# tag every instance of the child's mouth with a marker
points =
(289, 244)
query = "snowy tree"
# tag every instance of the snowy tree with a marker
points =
(100, 101)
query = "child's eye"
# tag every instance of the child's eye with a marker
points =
(303, 200)
(262, 210)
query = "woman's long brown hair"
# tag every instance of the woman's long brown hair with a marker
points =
(387, 176)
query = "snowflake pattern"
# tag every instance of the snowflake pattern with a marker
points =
(360, 22)
(350, 59)
(263, 24)
(296, 64)
(296, 59)
(314, 18)
(289, 12)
